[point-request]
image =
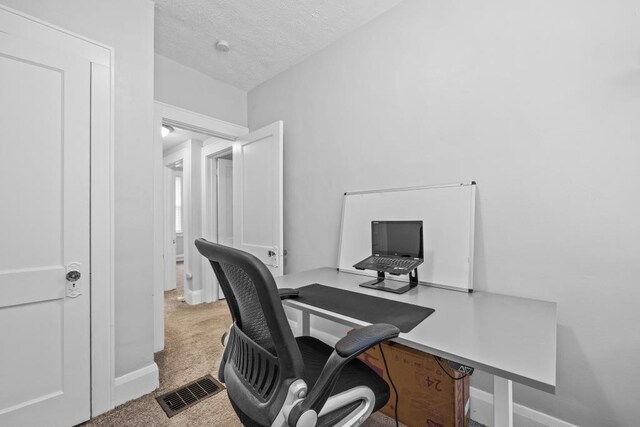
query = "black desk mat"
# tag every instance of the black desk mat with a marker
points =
(364, 307)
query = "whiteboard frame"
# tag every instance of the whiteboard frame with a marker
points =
(472, 219)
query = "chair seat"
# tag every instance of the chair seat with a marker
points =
(315, 354)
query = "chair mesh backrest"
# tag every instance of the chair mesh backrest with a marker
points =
(249, 316)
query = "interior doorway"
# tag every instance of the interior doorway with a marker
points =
(218, 205)
(248, 199)
(224, 195)
(242, 198)
(180, 146)
(169, 274)
(174, 217)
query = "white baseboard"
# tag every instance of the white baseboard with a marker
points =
(135, 384)
(193, 297)
(481, 401)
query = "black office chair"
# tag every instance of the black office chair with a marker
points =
(274, 379)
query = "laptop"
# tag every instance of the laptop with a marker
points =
(396, 247)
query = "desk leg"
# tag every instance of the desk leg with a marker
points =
(303, 318)
(305, 326)
(502, 402)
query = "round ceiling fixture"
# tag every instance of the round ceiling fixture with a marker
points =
(166, 130)
(223, 46)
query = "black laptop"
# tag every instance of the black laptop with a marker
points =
(396, 247)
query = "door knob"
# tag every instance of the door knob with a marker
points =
(73, 276)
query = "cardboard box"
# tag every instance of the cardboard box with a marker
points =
(428, 396)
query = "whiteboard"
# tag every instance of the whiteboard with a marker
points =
(448, 216)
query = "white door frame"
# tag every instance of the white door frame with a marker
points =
(224, 194)
(210, 153)
(102, 238)
(182, 153)
(169, 226)
(196, 122)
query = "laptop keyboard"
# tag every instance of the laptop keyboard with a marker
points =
(393, 262)
(389, 265)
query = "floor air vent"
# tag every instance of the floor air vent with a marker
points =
(178, 400)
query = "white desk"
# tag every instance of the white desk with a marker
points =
(512, 338)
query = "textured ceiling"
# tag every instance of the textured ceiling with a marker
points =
(266, 36)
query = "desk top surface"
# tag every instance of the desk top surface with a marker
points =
(514, 338)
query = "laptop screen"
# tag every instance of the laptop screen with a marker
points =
(397, 238)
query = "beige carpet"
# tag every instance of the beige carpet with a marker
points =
(192, 350)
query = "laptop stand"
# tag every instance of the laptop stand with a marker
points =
(394, 286)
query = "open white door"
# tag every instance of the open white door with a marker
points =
(45, 226)
(258, 195)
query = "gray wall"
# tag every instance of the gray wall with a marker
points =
(127, 26)
(539, 102)
(187, 88)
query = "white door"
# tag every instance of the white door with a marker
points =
(257, 195)
(225, 202)
(44, 223)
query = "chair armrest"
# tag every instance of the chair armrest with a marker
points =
(361, 339)
(287, 293)
(346, 350)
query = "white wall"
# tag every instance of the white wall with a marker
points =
(187, 88)
(127, 26)
(539, 103)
